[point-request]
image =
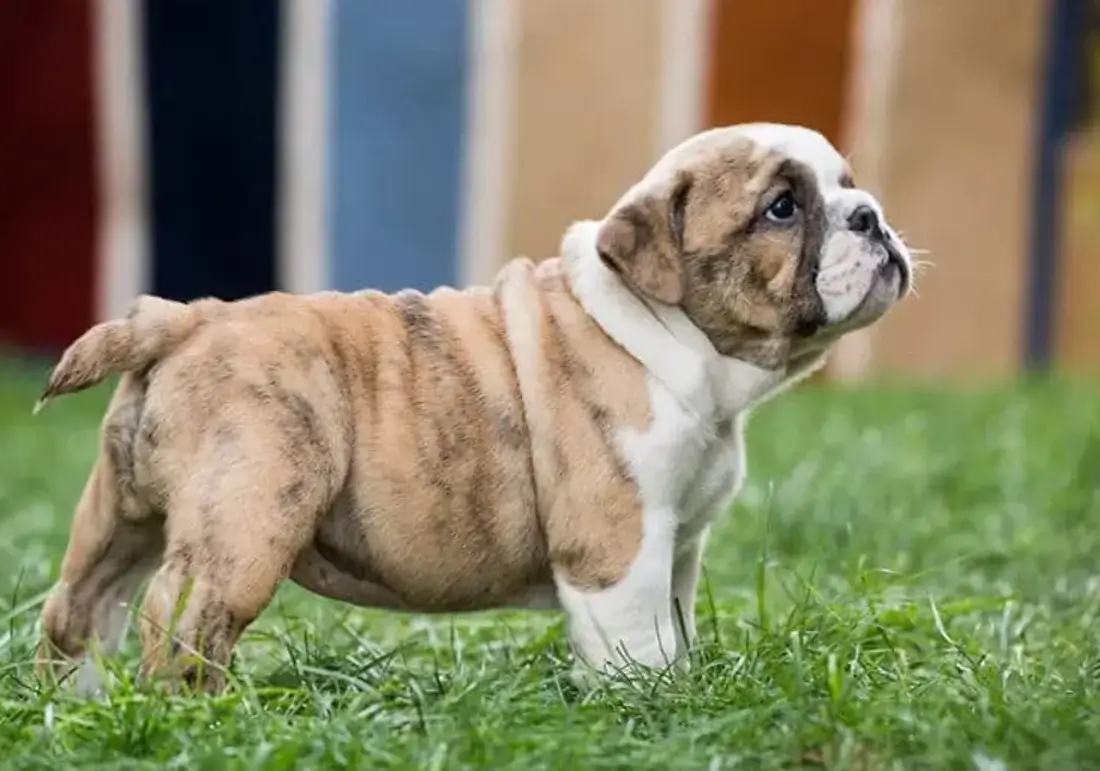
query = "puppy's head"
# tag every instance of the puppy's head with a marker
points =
(759, 234)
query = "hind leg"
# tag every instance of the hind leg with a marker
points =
(115, 542)
(107, 559)
(224, 560)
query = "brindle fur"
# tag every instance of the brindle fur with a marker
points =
(373, 448)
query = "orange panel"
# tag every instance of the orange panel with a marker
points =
(781, 62)
(784, 62)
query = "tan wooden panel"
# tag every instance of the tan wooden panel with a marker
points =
(958, 182)
(587, 96)
(1077, 319)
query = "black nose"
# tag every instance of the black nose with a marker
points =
(864, 220)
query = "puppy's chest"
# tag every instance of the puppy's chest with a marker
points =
(716, 478)
(697, 470)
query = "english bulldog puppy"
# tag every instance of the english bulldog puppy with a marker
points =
(563, 438)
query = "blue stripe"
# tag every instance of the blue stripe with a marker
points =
(397, 104)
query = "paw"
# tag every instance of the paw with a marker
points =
(587, 677)
(89, 678)
(584, 678)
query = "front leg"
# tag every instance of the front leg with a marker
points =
(686, 564)
(630, 621)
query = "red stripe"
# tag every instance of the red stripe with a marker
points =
(47, 183)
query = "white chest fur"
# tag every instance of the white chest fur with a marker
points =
(688, 462)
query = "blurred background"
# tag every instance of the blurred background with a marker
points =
(229, 147)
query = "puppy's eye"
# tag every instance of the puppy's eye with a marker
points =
(783, 209)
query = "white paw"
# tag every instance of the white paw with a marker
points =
(88, 680)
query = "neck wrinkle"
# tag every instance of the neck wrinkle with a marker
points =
(673, 351)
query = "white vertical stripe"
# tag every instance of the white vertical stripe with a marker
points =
(122, 251)
(490, 132)
(877, 45)
(684, 56)
(303, 134)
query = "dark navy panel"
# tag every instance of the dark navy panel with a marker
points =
(1067, 24)
(211, 79)
(397, 114)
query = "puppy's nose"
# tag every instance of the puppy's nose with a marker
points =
(864, 220)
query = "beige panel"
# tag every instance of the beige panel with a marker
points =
(587, 97)
(1077, 323)
(957, 181)
(123, 245)
(869, 91)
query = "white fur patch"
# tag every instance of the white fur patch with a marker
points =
(630, 622)
(685, 465)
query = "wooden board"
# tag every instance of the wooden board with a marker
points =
(958, 182)
(785, 62)
(1077, 306)
(782, 62)
(587, 96)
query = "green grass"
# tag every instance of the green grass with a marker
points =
(910, 580)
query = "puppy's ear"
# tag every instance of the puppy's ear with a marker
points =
(643, 242)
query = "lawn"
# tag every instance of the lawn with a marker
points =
(911, 579)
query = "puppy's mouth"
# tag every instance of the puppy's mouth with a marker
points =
(895, 267)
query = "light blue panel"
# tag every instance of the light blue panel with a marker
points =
(397, 120)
